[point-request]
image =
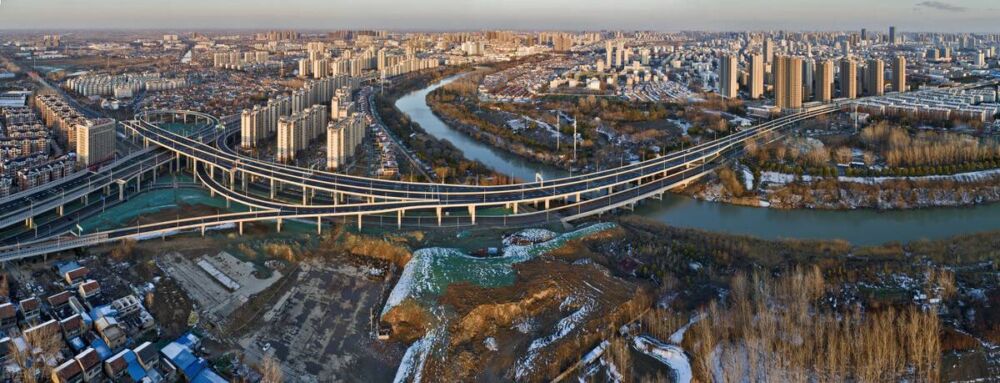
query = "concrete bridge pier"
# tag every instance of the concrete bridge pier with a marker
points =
(399, 219)
(202, 230)
(319, 225)
(472, 211)
(279, 225)
(515, 207)
(438, 210)
(546, 204)
(272, 188)
(241, 227)
(305, 195)
(359, 221)
(30, 222)
(60, 210)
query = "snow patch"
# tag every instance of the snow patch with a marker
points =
(671, 355)
(414, 359)
(562, 328)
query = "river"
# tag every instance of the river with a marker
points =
(860, 227)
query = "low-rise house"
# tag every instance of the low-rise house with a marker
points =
(73, 326)
(8, 316)
(89, 289)
(127, 305)
(68, 372)
(59, 301)
(5, 345)
(90, 362)
(49, 329)
(76, 276)
(116, 367)
(110, 331)
(148, 356)
(30, 309)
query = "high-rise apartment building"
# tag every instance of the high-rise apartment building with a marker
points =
(768, 51)
(899, 74)
(95, 141)
(727, 76)
(824, 81)
(756, 86)
(875, 78)
(788, 82)
(620, 55)
(848, 78)
(342, 140)
(807, 78)
(892, 35)
(609, 50)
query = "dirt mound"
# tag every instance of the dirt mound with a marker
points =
(534, 328)
(409, 321)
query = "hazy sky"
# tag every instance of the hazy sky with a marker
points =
(666, 15)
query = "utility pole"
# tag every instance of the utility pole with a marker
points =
(574, 140)
(558, 134)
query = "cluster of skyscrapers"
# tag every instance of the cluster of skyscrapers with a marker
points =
(261, 122)
(237, 60)
(320, 64)
(796, 79)
(123, 85)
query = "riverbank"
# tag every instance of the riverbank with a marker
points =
(740, 186)
(564, 305)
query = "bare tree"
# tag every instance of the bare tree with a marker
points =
(271, 370)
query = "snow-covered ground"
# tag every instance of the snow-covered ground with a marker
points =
(982, 175)
(671, 355)
(413, 361)
(563, 327)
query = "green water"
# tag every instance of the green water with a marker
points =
(153, 202)
(180, 128)
(432, 270)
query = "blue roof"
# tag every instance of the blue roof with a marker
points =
(135, 369)
(102, 348)
(188, 340)
(196, 368)
(180, 354)
(103, 311)
(77, 344)
(67, 267)
(208, 376)
(183, 358)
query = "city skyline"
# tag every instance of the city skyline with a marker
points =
(671, 15)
